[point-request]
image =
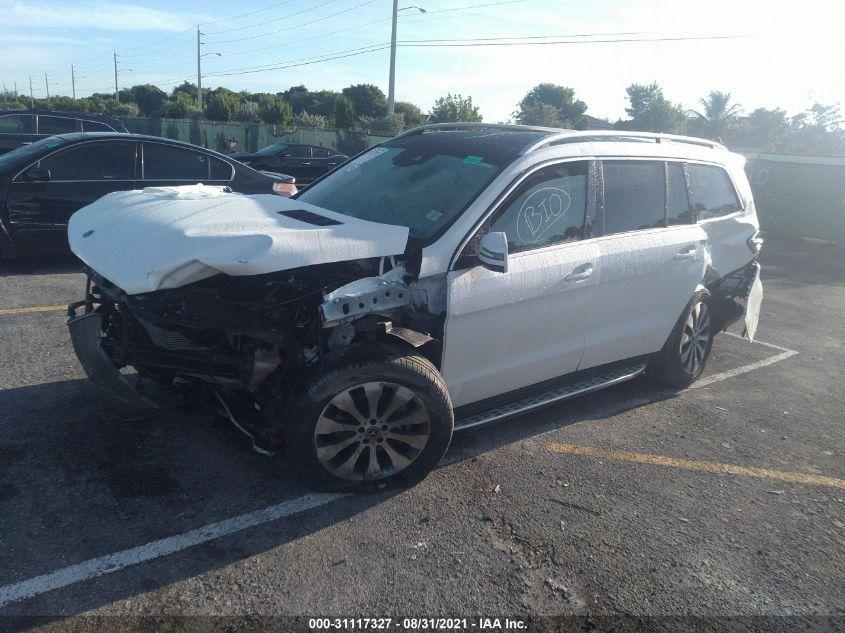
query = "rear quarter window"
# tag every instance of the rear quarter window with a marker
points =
(711, 192)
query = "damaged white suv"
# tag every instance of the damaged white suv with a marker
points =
(454, 275)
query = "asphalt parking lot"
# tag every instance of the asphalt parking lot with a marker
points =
(726, 500)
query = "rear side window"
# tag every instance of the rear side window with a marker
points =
(322, 152)
(92, 161)
(220, 170)
(677, 201)
(165, 162)
(16, 124)
(55, 125)
(548, 208)
(634, 196)
(712, 193)
(94, 126)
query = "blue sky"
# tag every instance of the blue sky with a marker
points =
(789, 56)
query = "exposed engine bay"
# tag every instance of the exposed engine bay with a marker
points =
(243, 344)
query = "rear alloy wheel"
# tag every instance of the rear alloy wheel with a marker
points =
(371, 431)
(695, 339)
(685, 354)
(372, 418)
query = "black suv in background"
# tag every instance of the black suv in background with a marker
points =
(306, 163)
(21, 127)
(44, 183)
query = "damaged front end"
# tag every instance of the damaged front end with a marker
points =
(242, 344)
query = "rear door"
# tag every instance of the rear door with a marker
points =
(649, 266)
(297, 161)
(172, 165)
(39, 210)
(323, 160)
(509, 330)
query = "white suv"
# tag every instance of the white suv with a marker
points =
(454, 275)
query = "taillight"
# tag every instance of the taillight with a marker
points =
(286, 189)
(755, 243)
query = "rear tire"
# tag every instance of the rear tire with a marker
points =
(374, 419)
(684, 356)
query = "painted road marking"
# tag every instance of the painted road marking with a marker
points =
(690, 464)
(156, 549)
(33, 309)
(724, 375)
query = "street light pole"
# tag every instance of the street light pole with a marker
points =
(116, 93)
(391, 90)
(73, 82)
(199, 70)
(47, 85)
(31, 98)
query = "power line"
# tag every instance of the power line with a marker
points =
(295, 26)
(340, 55)
(291, 15)
(435, 44)
(243, 15)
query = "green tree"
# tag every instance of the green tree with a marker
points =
(369, 100)
(275, 110)
(222, 105)
(550, 105)
(650, 111)
(181, 106)
(150, 99)
(453, 108)
(762, 130)
(413, 115)
(716, 117)
(344, 113)
(298, 97)
(247, 112)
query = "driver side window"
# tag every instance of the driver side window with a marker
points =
(549, 207)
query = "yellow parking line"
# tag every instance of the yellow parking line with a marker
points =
(689, 464)
(33, 309)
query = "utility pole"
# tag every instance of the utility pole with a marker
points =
(5, 100)
(392, 85)
(199, 70)
(73, 82)
(16, 91)
(116, 93)
(47, 85)
(31, 98)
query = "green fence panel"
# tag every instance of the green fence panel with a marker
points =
(250, 137)
(802, 196)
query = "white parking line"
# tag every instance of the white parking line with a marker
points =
(156, 549)
(784, 354)
(172, 544)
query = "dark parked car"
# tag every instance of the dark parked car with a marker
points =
(44, 183)
(306, 163)
(22, 127)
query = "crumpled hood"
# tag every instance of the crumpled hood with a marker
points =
(166, 237)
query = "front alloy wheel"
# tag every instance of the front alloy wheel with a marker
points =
(371, 431)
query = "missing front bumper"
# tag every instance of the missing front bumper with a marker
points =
(85, 334)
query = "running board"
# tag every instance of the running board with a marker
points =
(579, 387)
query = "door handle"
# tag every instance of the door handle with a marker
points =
(687, 253)
(582, 272)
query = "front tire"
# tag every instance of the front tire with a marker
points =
(684, 356)
(370, 421)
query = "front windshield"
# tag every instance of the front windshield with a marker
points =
(22, 155)
(408, 182)
(270, 150)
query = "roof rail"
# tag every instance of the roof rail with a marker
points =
(476, 126)
(609, 136)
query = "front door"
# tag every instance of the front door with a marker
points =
(165, 165)
(524, 326)
(42, 198)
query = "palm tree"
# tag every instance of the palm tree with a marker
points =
(718, 116)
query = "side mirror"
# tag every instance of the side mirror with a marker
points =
(493, 252)
(37, 174)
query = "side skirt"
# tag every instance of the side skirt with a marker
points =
(580, 384)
